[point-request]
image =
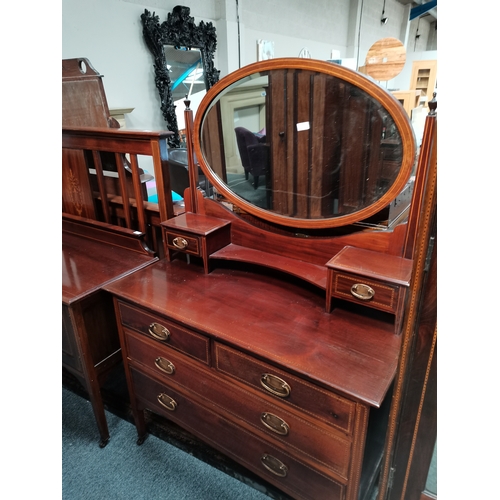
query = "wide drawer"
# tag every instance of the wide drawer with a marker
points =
(165, 332)
(255, 453)
(320, 445)
(315, 401)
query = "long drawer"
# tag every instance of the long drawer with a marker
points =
(166, 332)
(319, 445)
(328, 407)
(257, 454)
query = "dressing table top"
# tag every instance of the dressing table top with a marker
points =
(350, 350)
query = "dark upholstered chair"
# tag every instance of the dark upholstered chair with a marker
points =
(254, 154)
(179, 175)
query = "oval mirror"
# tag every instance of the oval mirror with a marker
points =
(304, 143)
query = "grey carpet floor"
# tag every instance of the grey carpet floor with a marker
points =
(125, 471)
(122, 470)
(245, 189)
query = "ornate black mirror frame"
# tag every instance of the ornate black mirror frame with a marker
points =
(178, 30)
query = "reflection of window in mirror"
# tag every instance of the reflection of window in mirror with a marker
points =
(186, 71)
(187, 79)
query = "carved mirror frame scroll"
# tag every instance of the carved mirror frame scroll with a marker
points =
(178, 30)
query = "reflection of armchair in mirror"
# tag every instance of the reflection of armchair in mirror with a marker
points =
(183, 60)
(254, 153)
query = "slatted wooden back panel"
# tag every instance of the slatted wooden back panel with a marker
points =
(101, 176)
(121, 202)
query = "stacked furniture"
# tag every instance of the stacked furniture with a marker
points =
(106, 226)
(280, 337)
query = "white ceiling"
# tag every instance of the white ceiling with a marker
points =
(415, 3)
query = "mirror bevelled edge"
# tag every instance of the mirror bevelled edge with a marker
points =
(353, 78)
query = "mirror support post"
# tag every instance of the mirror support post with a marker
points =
(192, 167)
(425, 156)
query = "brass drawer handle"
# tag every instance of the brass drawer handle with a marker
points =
(164, 365)
(180, 243)
(167, 402)
(158, 331)
(362, 291)
(275, 385)
(276, 424)
(272, 464)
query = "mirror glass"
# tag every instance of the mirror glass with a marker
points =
(305, 144)
(186, 71)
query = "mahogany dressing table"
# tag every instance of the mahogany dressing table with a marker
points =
(232, 336)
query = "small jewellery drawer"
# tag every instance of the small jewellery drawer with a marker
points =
(196, 234)
(214, 427)
(321, 445)
(165, 332)
(183, 242)
(372, 279)
(315, 401)
(369, 292)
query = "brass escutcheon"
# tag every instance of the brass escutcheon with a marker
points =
(164, 365)
(272, 464)
(275, 423)
(158, 331)
(362, 291)
(167, 402)
(180, 243)
(275, 385)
